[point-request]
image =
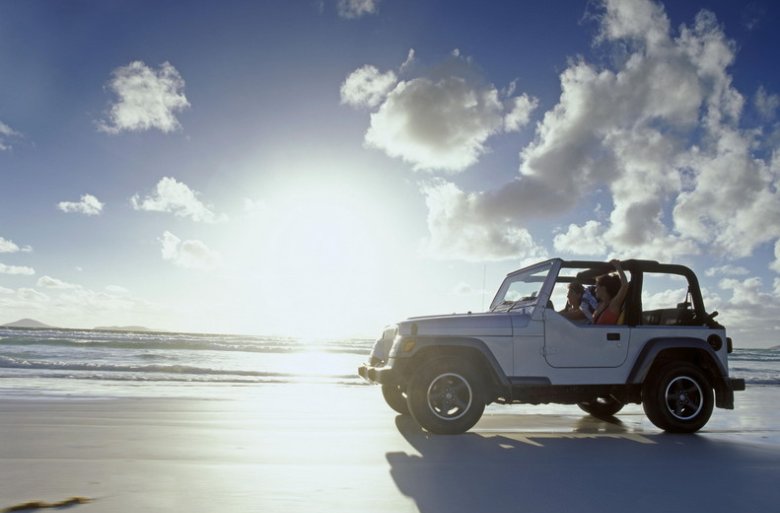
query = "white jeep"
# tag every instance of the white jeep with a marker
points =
(671, 357)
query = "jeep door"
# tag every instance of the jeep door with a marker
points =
(572, 345)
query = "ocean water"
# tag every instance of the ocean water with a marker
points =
(90, 363)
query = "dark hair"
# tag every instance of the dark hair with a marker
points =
(611, 282)
(577, 287)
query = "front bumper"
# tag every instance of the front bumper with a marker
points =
(389, 373)
(367, 372)
(374, 374)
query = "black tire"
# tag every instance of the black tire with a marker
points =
(395, 398)
(678, 398)
(601, 407)
(446, 396)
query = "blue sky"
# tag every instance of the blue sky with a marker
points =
(327, 167)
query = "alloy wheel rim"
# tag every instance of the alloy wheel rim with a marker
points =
(684, 398)
(449, 396)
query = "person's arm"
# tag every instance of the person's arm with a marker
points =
(572, 314)
(617, 302)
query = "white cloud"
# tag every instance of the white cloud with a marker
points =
(409, 62)
(775, 266)
(437, 122)
(634, 19)
(48, 282)
(72, 305)
(750, 308)
(189, 254)
(726, 270)
(7, 134)
(669, 298)
(89, 205)
(9, 246)
(747, 309)
(146, 98)
(16, 269)
(351, 9)
(178, 199)
(79, 300)
(31, 296)
(766, 104)
(520, 109)
(256, 209)
(659, 131)
(587, 239)
(117, 289)
(367, 87)
(745, 292)
(458, 229)
(733, 203)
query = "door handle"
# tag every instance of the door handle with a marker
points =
(613, 336)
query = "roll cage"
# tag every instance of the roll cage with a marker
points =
(691, 312)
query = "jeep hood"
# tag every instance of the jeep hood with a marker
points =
(463, 325)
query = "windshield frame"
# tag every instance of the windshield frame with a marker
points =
(551, 267)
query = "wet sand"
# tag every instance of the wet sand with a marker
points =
(312, 448)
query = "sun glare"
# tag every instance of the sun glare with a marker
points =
(310, 258)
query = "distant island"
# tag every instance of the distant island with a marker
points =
(33, 324)
(26, 323)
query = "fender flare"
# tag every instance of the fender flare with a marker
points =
(436, 344)
(656, 346)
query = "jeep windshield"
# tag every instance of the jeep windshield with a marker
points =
(521, 288)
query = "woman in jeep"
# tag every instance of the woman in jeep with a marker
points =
(580, 304)
(611, 292)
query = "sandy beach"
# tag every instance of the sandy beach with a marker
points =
(306, 448)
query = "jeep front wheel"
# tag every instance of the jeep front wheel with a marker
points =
(445, 396)
(395, 398)
(678, 398)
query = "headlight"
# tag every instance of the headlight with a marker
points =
(403, 346)
(381, 351)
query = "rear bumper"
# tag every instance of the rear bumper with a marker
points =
(724, 392)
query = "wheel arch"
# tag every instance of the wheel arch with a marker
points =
(660, 351)
(473, 350)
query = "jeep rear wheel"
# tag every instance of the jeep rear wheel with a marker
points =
(395, 398)
(445, 396)
(601, 407)
(678, 398)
